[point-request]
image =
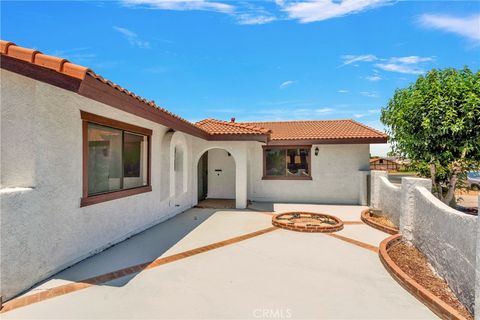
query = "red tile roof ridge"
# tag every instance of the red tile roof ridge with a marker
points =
(296, 121)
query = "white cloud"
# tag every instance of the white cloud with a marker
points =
(133, 38)
(411, 59)
(349, 59)
(342, 91)
(406, 64)
(370, 94)
(252, 13)
(401, 68)
(248, 18)
(286, 84)
(318, 10)
(324, 110)
(245, 13)
(359, 115)
(182, 5)
(467, 26)
(375, 77)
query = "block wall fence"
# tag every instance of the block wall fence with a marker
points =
(447, 237)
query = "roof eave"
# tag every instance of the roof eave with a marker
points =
(239, 137)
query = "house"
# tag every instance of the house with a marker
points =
(87, 163)
(386, 164)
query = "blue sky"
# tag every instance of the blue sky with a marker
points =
(255, 60)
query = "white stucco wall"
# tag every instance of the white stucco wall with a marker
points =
(335, 176)
(43, 229)
(448, 238)
(221, 184)
(389, 200)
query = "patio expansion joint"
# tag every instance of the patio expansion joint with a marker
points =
(83, 284)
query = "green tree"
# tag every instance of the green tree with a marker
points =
(435, 122)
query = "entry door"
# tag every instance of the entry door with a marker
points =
(203, 177)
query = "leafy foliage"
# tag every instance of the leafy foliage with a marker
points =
(435, 122)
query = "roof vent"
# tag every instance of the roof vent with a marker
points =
(232, 119)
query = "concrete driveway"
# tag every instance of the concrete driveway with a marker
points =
(273, 274)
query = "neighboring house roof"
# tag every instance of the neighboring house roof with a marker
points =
(391, 159)
(383, 159)
(82, 80)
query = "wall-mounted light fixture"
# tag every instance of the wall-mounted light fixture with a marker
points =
(316, 151)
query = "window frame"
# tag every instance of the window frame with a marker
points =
(309, 161)
(87, 118)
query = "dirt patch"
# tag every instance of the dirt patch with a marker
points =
(383, 220)
(467, 192)
(411, 261)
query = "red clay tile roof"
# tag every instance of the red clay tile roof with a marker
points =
(318, 130)
(219, 127)
(296, 130)
(61, 65)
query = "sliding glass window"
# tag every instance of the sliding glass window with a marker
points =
(117, 159)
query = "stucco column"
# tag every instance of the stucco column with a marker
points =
(241, 179)
(407, 204)
(477, 269)
(375, 176)
(362, 188)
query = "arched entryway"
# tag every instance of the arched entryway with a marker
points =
(216, 175)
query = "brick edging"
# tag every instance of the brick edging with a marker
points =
(434, 303)
(365, 216)
(308, 228)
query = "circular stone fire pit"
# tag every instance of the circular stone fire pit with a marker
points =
(307, 222)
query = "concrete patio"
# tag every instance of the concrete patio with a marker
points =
(279, 274)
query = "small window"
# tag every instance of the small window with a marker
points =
(287, 163)
(116, 159)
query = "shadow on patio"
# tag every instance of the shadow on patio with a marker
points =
(141, 248)
(182, 233)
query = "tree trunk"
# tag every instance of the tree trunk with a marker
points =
(451, 189)
(437, 189)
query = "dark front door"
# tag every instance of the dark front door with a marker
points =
(203, 177)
